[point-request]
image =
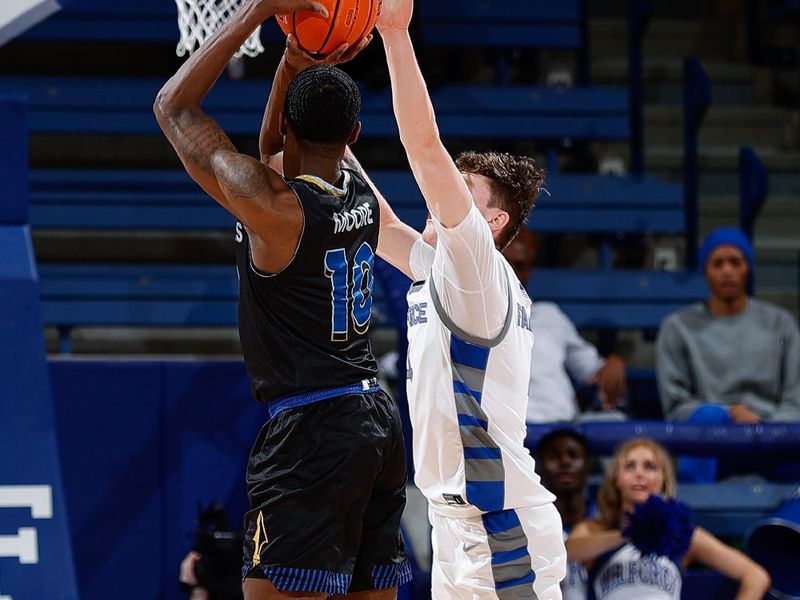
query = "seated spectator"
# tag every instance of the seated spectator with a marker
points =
(641, 539)
(560, 355)
(731, 359)
(562, 459)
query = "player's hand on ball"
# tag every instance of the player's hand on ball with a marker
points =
(299, 59)
(285, 7)
(395, 14)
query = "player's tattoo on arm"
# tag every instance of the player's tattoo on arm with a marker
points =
(197, 137)
(238, 175)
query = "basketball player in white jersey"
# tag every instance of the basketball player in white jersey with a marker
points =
(496, 533)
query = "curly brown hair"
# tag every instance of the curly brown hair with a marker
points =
(516, 181)
(609, 500)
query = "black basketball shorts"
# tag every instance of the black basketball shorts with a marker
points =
(326, 484)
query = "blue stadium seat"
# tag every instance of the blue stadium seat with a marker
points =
(504, 24)
(729, 509)
(508, 26)
(146, 295)
(206, 295)
(126, 20)
(617, 299)
(169, 199)
(529, 23)
(154, 295)
(770, 441)
(139, 21)
(123, 106)
(122, 199)
(608, 204)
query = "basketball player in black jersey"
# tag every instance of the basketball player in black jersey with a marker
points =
(326, 476)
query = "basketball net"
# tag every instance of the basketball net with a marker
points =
(199, 19)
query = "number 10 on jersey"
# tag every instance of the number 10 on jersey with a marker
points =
(353, 293)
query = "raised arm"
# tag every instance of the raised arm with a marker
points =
(206, 151)
(446, 193)
(270, 140)
(468, 273)
(395, 239)
(753, 580)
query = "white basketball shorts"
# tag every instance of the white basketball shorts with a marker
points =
(507, 555)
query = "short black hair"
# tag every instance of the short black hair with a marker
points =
(551, 437)
(322, 105)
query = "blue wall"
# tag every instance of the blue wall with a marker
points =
(142, 445)
(35, 556)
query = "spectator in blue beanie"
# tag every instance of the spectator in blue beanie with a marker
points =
(731, 359)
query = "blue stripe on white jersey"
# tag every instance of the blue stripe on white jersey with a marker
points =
(511, 562)
(467, 402)
(468, 355)
(483, 462)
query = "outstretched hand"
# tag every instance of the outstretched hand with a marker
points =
(395, 14)
(299, 59)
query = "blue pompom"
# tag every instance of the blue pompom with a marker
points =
(661, 527)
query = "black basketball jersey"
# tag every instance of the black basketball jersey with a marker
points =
(305, 328)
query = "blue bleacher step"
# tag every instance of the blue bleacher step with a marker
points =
(102, 106)
(169, 200)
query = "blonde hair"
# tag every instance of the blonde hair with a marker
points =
(609, 500)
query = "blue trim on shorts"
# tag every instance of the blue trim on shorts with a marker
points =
(304, 580)
(367, 386)
(530, 578)
(385, 577)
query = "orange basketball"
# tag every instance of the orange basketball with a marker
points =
(349, 21)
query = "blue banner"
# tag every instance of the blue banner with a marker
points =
(35, 553)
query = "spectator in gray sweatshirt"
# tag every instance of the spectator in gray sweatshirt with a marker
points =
(731, 359)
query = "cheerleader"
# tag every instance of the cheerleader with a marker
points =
(642, 539)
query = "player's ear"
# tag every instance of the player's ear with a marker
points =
(354, 136)
(499, 220)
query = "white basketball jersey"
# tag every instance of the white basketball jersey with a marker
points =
(467, 400)
(573, 586)
(624, 574)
